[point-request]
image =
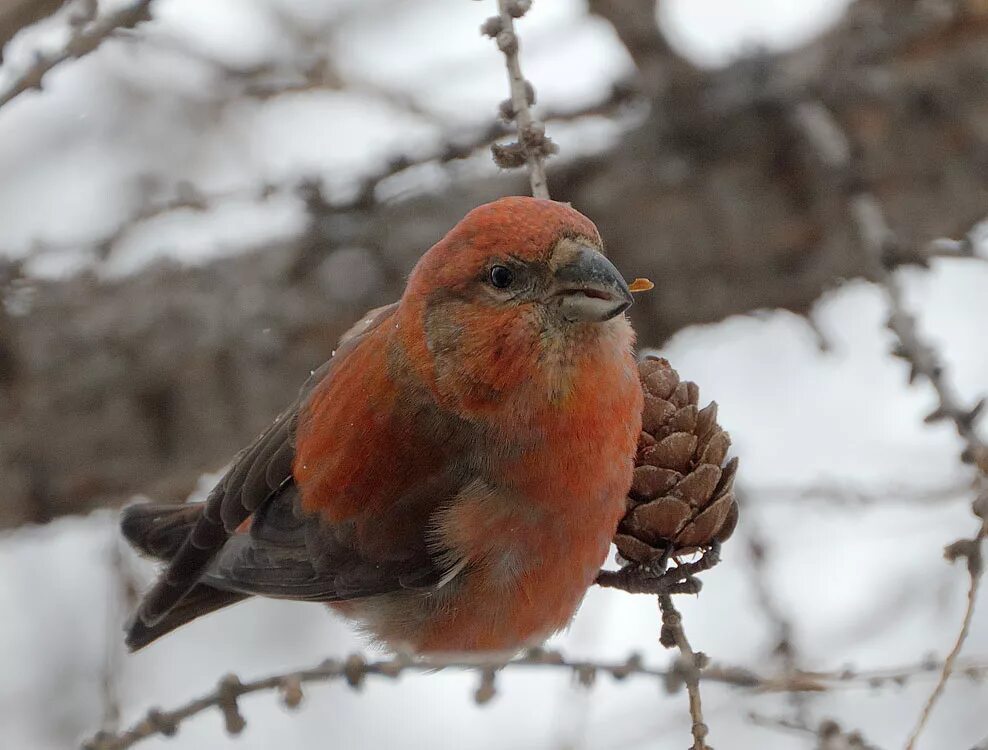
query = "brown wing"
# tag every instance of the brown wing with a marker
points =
(292, 555)
(260, 477)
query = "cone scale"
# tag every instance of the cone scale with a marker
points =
(681, 497)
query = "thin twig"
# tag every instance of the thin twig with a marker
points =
(533, 146)
(837, 494)
(110, 674)
(84, 39)
(923, 360)
(877, 678)
(689, 666)
(355, 668)
(976, 570)
(829, 734)
(679, 579)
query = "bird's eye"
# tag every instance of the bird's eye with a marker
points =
(501, 277)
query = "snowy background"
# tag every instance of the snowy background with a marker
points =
(861, 576)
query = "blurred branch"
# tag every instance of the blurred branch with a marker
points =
(857, 496)
(881, 247)
(122, 595)
(16, 15)
(110, 672)
(307, 71)
(355, 669)
(186, 197)
(636, 25)
(456, 149)
(10, 274)
(84, 38)
(189, 197)
(924, 360)
(533, 146)
(779, 621)
(948, 248)
(879, 243)
(875, 678)
(828, 734)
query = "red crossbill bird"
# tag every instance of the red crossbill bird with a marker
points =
(452, 477)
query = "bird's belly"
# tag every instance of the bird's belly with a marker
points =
(502, 605)
(529, 548)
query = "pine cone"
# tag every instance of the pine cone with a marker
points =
(681, 496)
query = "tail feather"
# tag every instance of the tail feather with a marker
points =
(183, 537)
(158, 530)
(201, 600)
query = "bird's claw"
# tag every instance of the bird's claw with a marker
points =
(658, 579)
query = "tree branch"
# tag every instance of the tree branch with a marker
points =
(16, 15)
(84, 39)
(689, 666)
(679, 579)
(355, 669)
(924, 361)
(533, 146)
(781, 624)
(972, 551)
(829, 734)
(636, 24)
(879, 243)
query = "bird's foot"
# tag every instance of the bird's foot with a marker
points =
(658, 578)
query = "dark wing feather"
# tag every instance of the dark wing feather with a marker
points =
(201, 600)
(277, 560)
(258, 475)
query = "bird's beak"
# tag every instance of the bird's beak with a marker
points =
(587, 287)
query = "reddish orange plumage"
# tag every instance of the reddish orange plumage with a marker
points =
(453, 477)
(561, 417)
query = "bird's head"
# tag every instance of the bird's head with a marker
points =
(532, 257)
(512, 293)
